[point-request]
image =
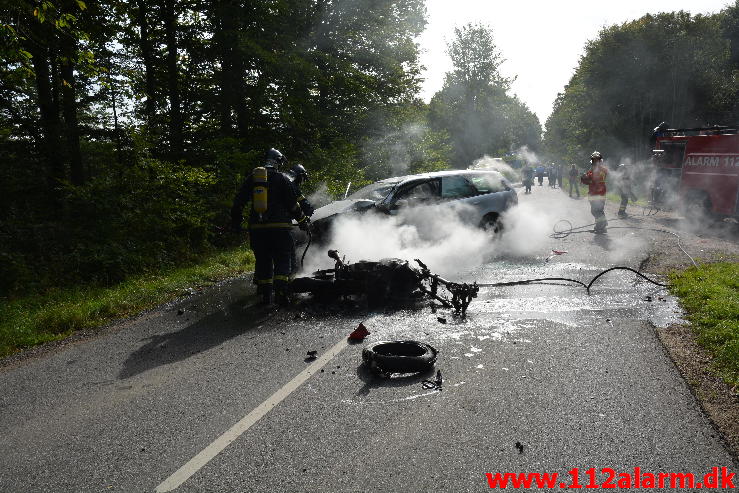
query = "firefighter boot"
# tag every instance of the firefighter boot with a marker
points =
(268, 297)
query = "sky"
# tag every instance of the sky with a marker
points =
(541, 40)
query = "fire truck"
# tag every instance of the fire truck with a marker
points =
(696, 170)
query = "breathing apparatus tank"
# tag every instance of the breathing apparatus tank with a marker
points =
(259, 191)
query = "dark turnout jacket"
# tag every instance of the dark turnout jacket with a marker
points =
(282, 203)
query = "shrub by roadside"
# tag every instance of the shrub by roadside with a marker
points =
(33, 320)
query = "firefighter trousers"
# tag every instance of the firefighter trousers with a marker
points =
(597, 209)
(273, 253)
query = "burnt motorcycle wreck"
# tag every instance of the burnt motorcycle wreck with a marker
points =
(387, 282)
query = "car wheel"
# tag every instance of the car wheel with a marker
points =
(492, 224)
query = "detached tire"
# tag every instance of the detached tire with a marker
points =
(399, 356)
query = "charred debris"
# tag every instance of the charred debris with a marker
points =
(388, 282)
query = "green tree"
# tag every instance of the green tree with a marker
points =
(668, 67)
(474, 107)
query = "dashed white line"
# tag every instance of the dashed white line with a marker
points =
(220, 443)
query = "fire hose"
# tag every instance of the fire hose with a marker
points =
(564, 233)
(310, 239)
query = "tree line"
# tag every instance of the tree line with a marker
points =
(671, 67)
(126, 126)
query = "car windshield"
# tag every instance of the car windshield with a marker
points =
(376, 191)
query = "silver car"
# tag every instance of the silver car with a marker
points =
(487, 192)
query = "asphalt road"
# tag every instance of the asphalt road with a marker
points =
(538, 378)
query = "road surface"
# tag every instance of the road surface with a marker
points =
(208, 395)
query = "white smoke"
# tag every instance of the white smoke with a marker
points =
(497, 164)
(320, 196)
(443, 237)
(448, 239)
(527, 155)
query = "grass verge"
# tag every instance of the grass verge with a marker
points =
(710, 296)
(33, 320)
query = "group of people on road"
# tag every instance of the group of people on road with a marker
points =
(595, 178)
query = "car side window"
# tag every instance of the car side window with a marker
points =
(488, 183)
(421, 192)
(456, 187)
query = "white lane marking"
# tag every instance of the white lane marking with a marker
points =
(220, 443)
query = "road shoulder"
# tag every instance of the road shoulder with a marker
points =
(717, 399)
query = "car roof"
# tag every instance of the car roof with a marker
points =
(437, 174)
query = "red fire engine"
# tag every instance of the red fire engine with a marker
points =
(697, 169)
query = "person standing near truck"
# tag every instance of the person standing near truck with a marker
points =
(623, 179)
(573, 180)
(595, 179)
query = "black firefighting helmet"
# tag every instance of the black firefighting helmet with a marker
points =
(275, 157)
(300, 175)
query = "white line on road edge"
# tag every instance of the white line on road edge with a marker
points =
(220, 443)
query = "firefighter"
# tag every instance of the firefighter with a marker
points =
(527, 173)
(297, 176)
(573, 180)
(274, 204)
(595, 179)
(623, 177)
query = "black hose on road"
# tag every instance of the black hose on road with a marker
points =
(586, 286)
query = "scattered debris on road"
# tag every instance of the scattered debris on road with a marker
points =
(433, 384)
(359, 333)
(311, 355)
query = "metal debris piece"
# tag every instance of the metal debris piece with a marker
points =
(433, 384)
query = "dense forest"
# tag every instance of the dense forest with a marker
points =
(671, 67)
(126, 126)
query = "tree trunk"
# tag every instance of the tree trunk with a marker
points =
(224, 43)
(69, 108)
(147, 54)
(49, 112)
(176, 141)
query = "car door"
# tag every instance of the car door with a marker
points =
(493, 193)
(413, 194)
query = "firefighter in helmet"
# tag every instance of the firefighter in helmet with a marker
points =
(274, 204)
(595, 179)
(297, 176)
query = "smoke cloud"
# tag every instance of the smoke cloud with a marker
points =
(443, 237)
(497, 164)
(320, 196)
